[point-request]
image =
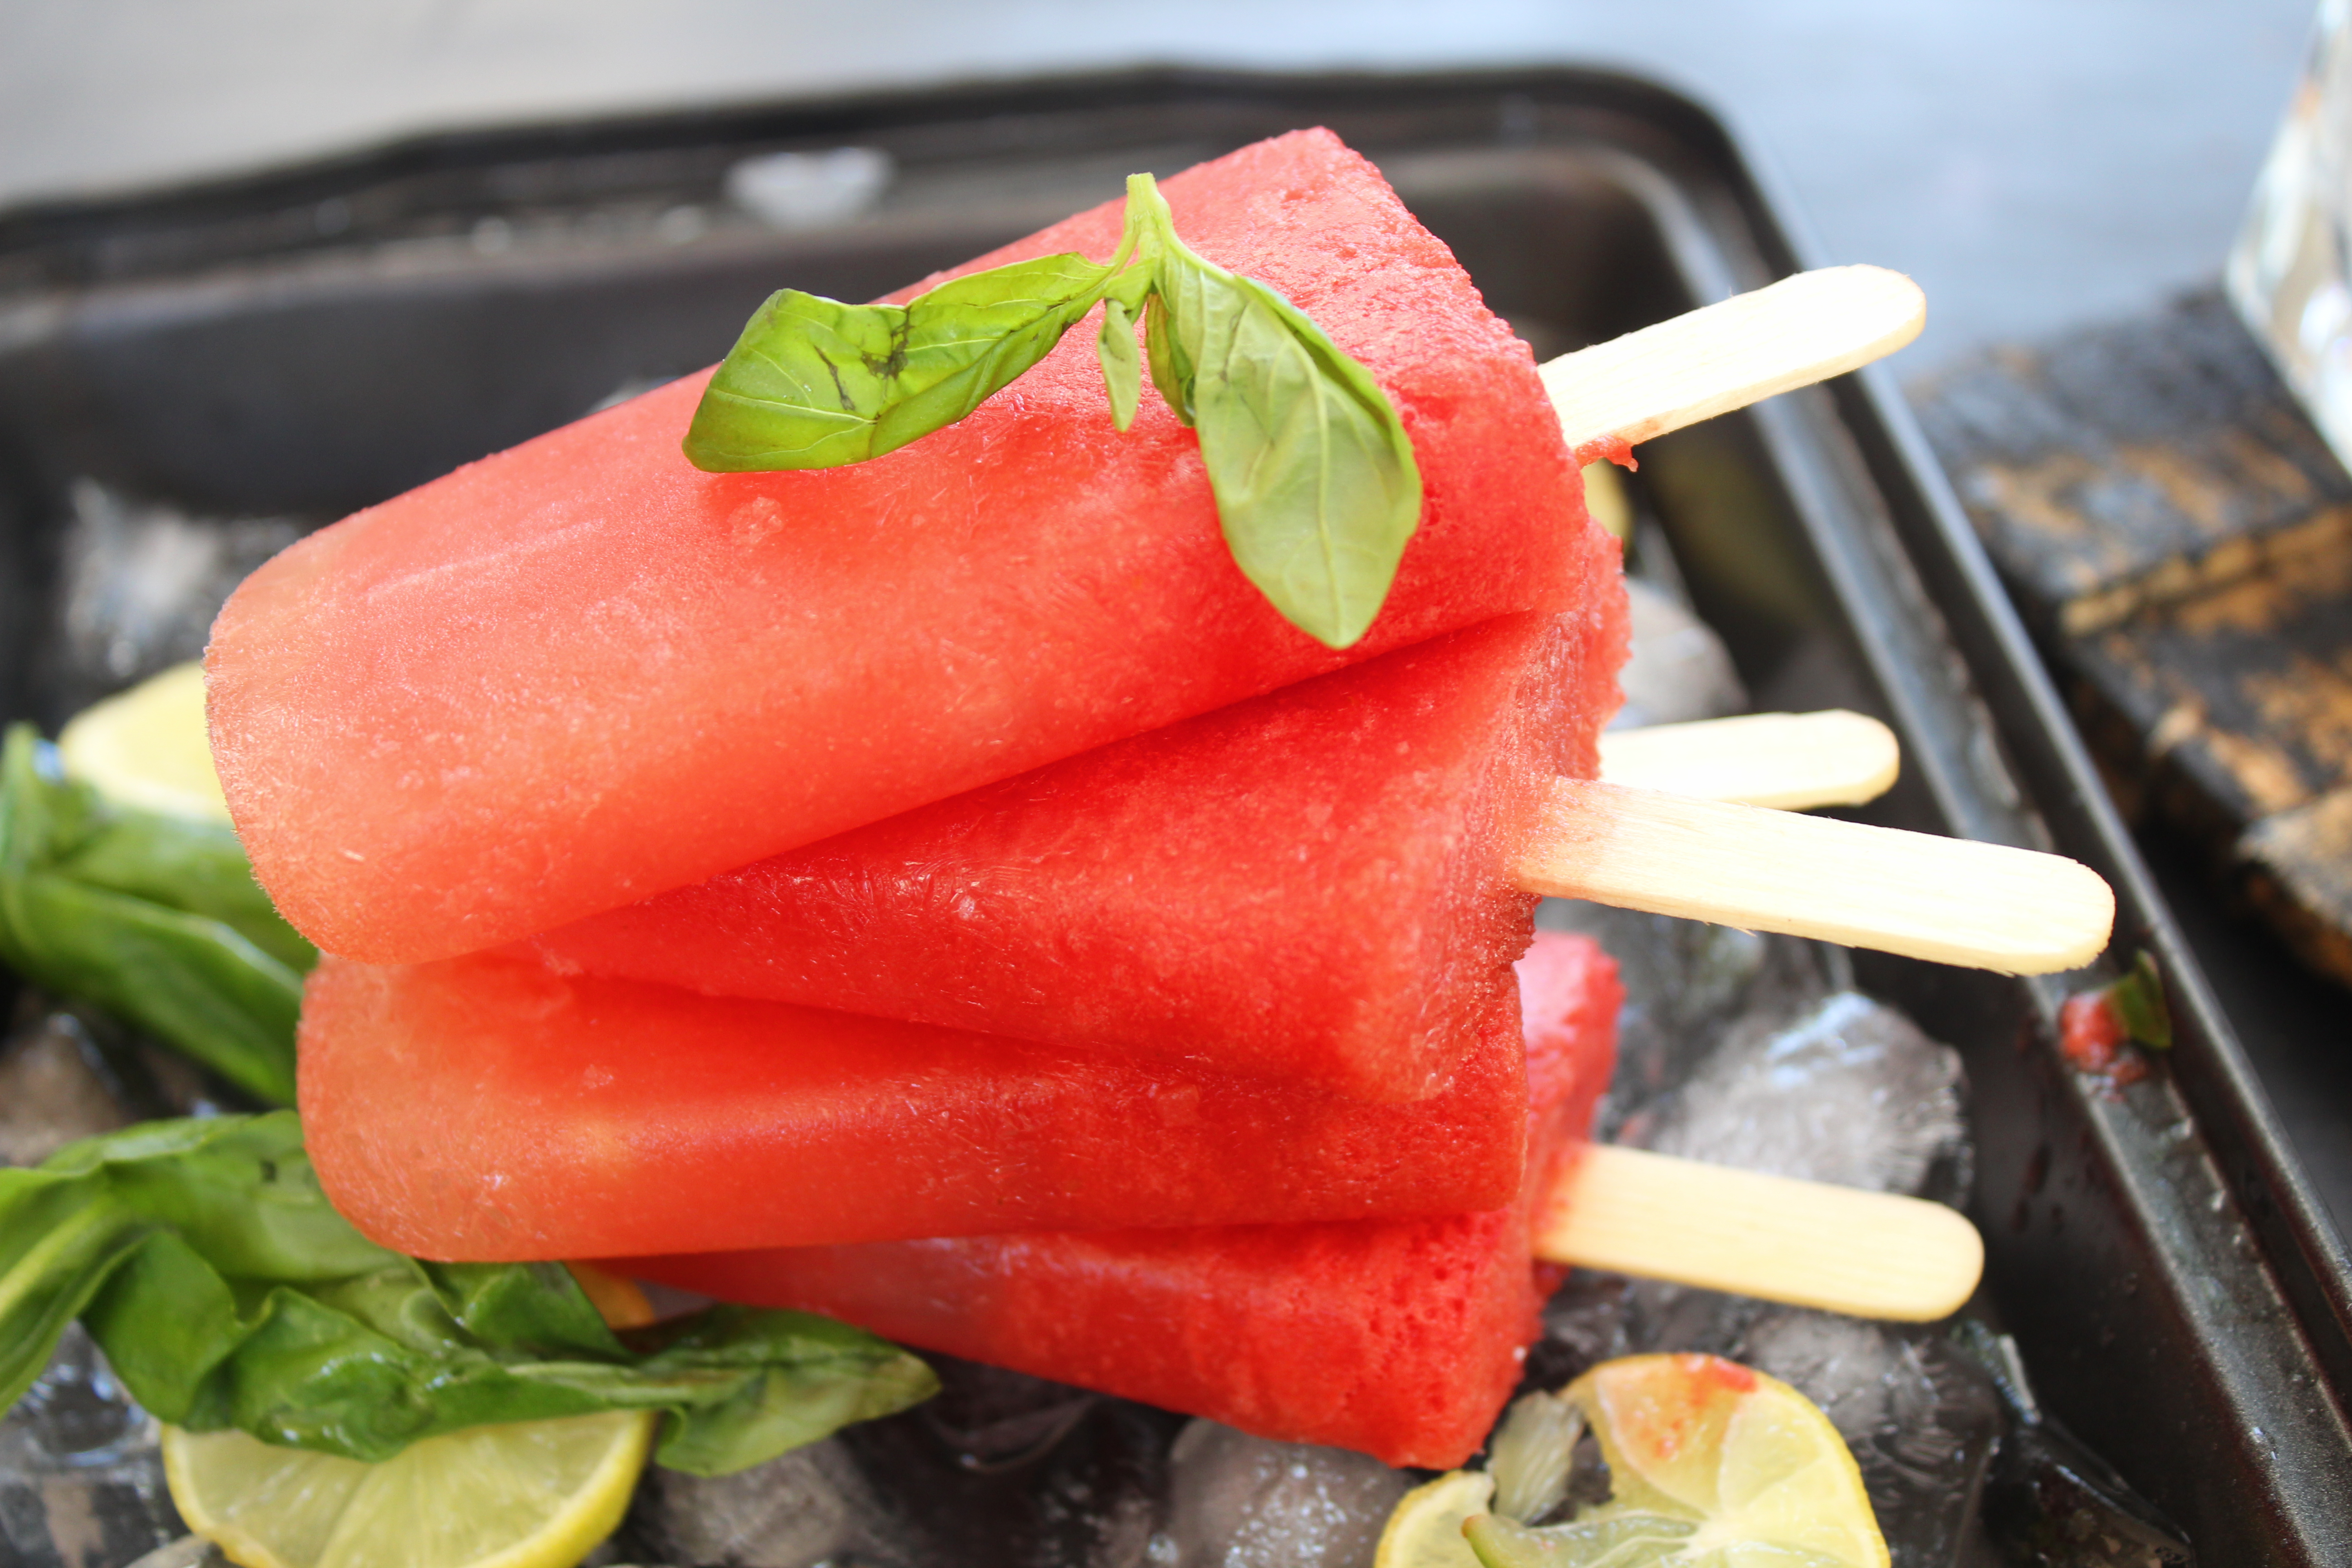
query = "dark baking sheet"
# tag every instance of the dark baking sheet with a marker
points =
(311, 341)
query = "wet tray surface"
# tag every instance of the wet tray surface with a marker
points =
(302, 344)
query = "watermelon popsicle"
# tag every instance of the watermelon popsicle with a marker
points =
(1311, 885)
(482, 1108)
(1400, 1338)
(582, 672)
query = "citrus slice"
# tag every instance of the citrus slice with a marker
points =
(148, 747)
(1711, 1464)
(1426, 1530)
(529, 1494)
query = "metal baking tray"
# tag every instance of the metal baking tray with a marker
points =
(306, 342)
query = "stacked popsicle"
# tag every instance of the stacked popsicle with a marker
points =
(938, 890)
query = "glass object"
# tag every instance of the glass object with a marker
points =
(2290, 273)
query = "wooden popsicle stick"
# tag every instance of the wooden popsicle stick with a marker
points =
(1871, 1254)
(1728, 355)
(1948, 901)
(1788, 761)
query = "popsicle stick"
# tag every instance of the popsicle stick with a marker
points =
(1949, 900)
(1871, 1254)
(1788, 761)
(1725, 356)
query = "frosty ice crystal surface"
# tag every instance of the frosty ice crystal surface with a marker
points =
(1238, 1502)
(141, 584)
(54, 1088)
(795, 1512)
(1921, 1420)
(1853, 1093)
(81, 1479)
(1678, 670)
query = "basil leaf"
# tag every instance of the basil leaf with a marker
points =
(1171, 368)
(227, 1292)
(153, 918)
(1122, 367)
(59, 1242)
(2138, 1001)
(815, 384)
(1317, 488)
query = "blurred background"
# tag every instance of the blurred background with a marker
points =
(2032, 163)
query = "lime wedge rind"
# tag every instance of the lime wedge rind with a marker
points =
(530, 1494)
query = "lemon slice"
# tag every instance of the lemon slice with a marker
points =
(1426, 1530)
(148, 747)
(529, 1494)
(1711, 1464)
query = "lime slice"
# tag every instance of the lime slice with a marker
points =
(147, 747)
(1712, 1465)
(1426, 1530)
(530, 1494)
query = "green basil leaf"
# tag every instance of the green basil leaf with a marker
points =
(152, 918)
(814, 384)
(2138, 1001)
(1317, 488)
(195, 867)
(59, 1242)
(227, 1292)
(1315, 484)
(1171, 368)
(790, 1379)
(1122, 367)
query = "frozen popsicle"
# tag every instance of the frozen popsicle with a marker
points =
(1400, 1338)
(1313, 885)
(582, 672)
(482, 1108)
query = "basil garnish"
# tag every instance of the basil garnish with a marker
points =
(154, 918)
(1315, 481)
(227, 1292)
(814, 384)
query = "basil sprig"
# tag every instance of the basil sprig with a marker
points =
(1316, 485)
(155, 918)
(227, 1291)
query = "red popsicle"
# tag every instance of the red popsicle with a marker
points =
(1314, 884)
(582, 672)
(483, 1109)
(1401, 1338)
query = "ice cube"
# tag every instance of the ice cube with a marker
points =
(794, 1511)
(1922, 1420)
(1684, 981)
(55, 1088)
(1677, 670)
(995, 1419)
(188, 1552)
(1852, 1093)
(141, 585)
(82, 1477)
(1004, 1468)
(1238, 1502)
(810, 190)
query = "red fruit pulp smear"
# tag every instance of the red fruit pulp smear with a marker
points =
(1311, 885)
(482, 1108)
(2090, 1033)
(1614, 448)
(581, 672)
(1398, 1338)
